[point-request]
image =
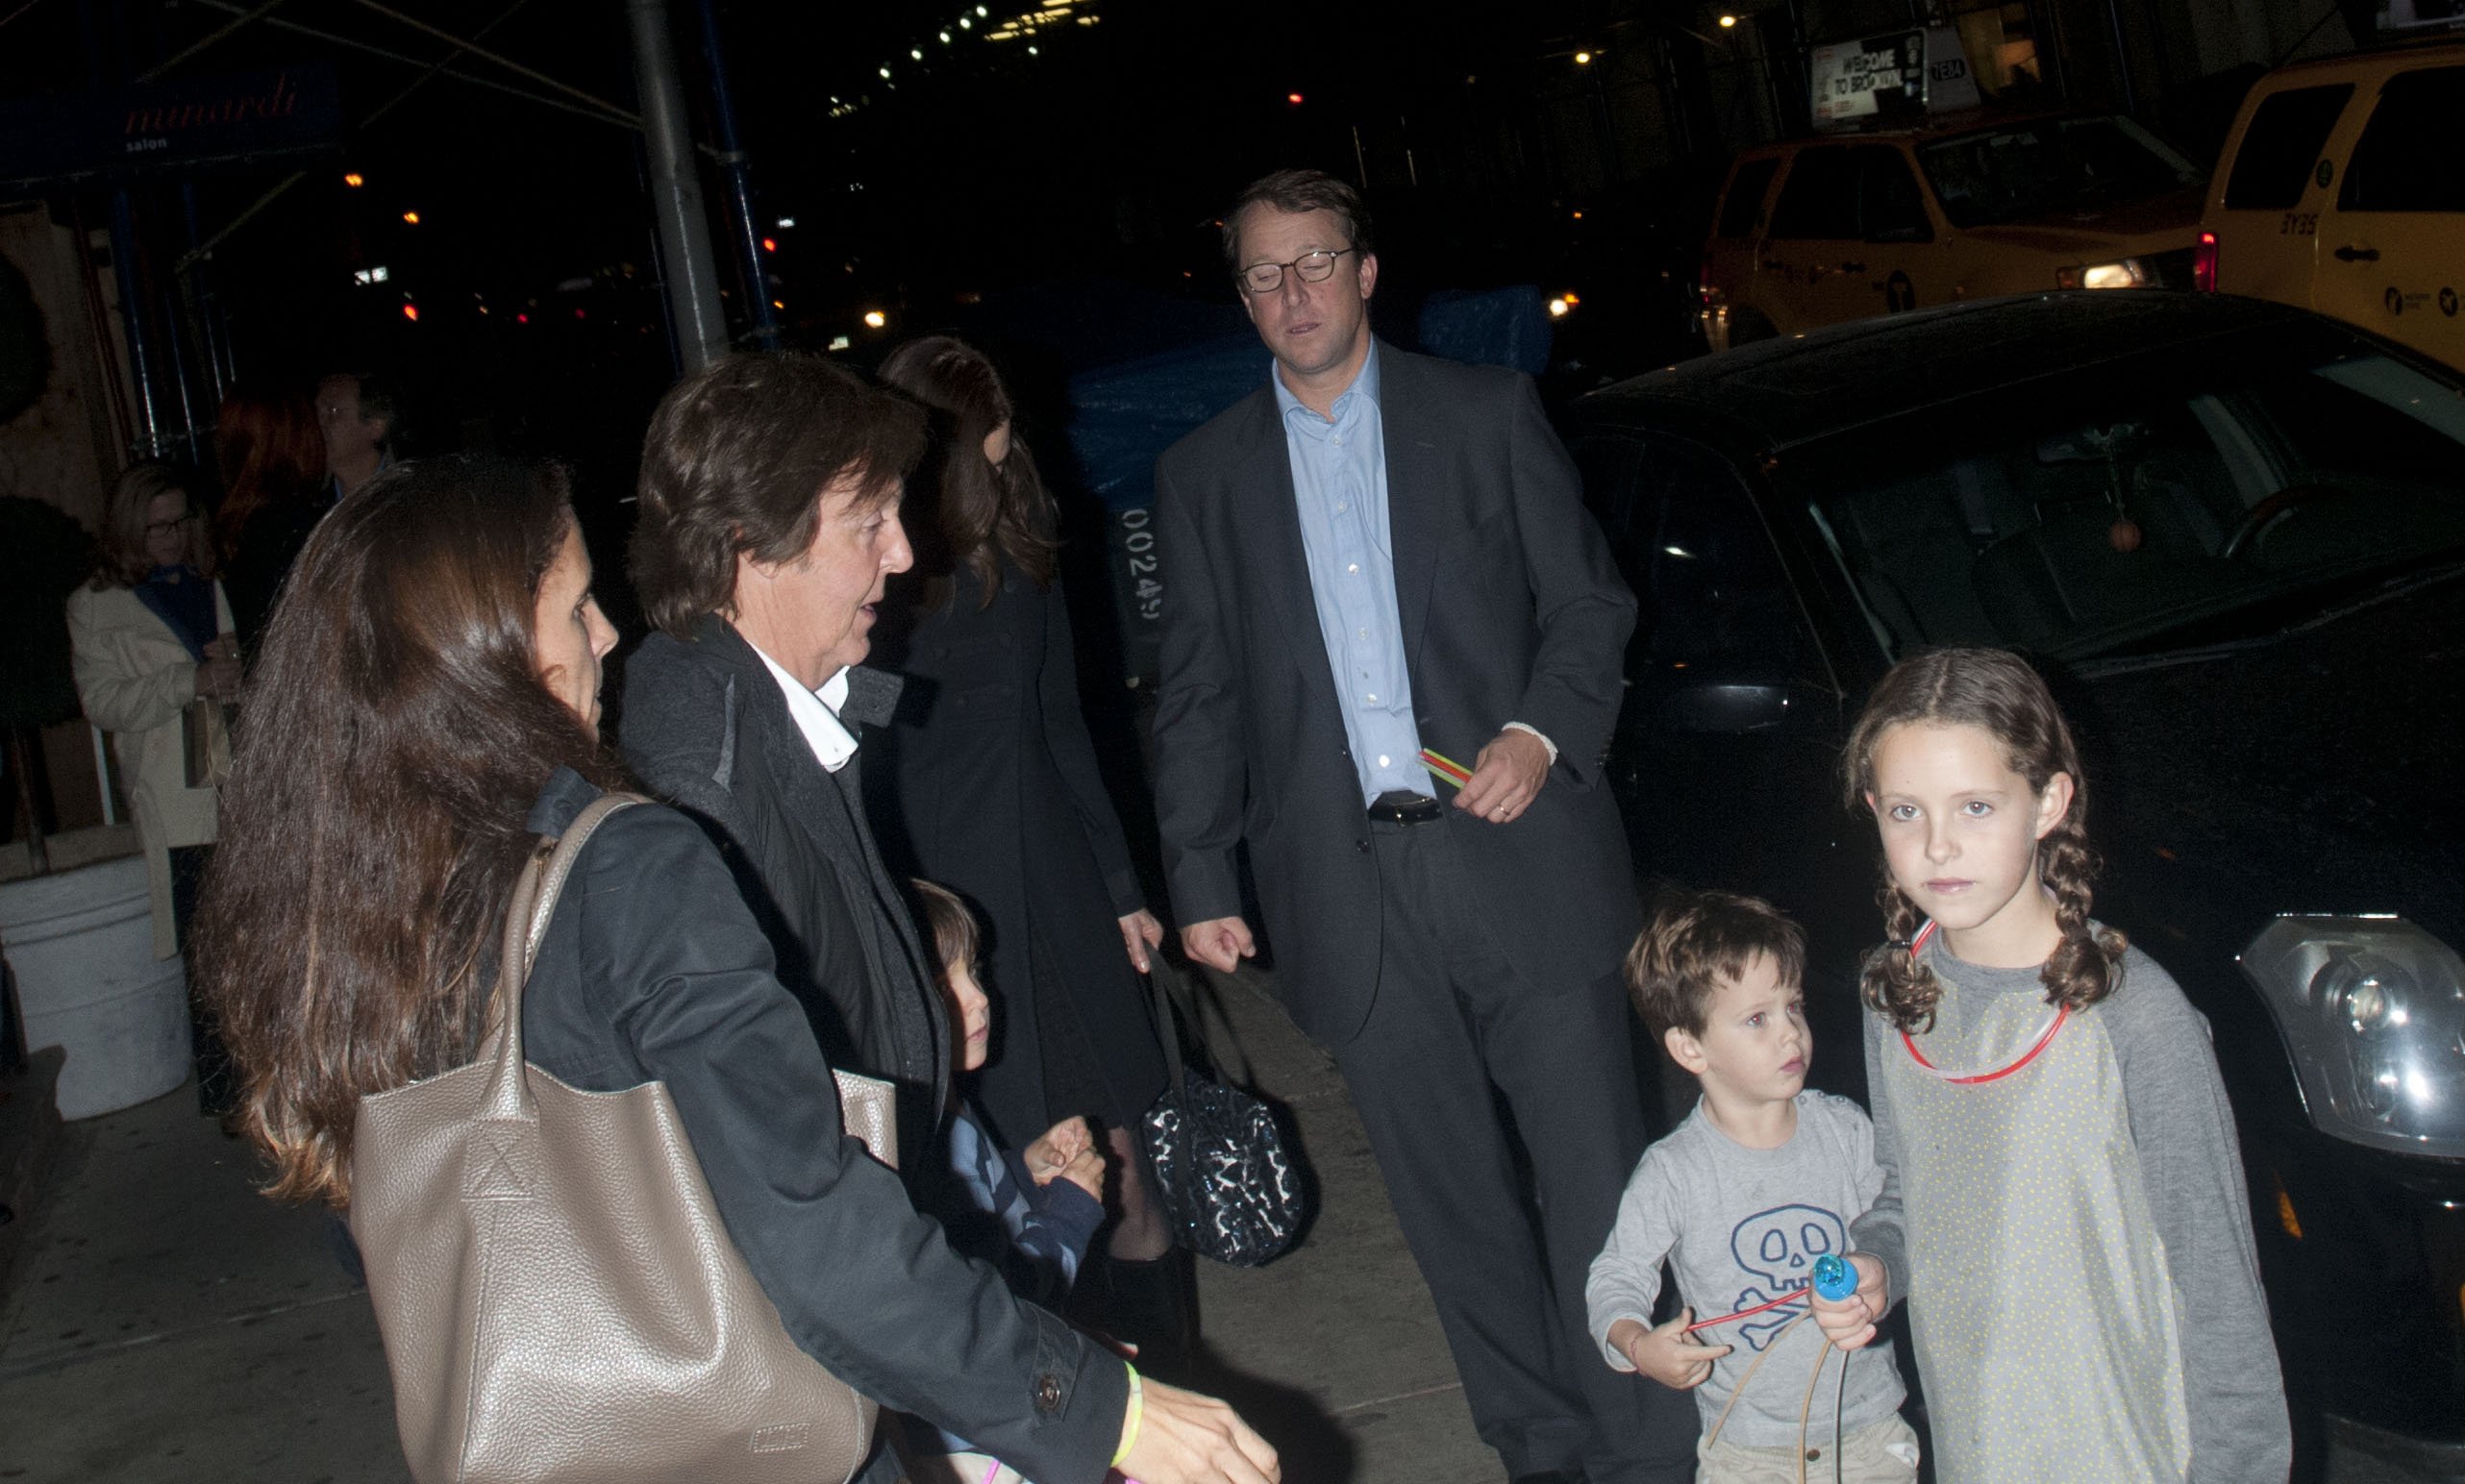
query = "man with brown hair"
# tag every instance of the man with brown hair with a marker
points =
(770, 522)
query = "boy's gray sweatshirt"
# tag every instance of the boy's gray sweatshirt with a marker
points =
(1743, 1225)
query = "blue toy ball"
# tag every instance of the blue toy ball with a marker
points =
(1834, 1279)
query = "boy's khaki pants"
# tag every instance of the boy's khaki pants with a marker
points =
(1881, 1452)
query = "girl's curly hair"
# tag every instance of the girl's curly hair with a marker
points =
(1996, 692)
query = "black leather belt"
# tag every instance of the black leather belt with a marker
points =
(1402, 806)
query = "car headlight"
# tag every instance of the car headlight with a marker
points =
(2373, 1009)
(2126, 273)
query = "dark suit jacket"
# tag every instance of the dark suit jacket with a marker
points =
(652, 969)
(704, 725)
(1511, 610)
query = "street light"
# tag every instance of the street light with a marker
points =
(410, 218)
(1727, 22)
(354, 180)
(875, 319)
(1583, 59)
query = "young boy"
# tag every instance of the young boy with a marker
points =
(1759, 1181)
(1030, 1215)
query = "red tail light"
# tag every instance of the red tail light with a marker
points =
(2204, 265)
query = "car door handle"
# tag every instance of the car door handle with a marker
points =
(2352, 254)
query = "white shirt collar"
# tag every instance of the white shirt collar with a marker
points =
(817, 713)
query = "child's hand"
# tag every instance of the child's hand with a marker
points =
(1850, 1323)
(1067, 1152)
(1668, 1355)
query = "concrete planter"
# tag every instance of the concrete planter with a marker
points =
(80, 944)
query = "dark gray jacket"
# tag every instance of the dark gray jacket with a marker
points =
(705, 726)
(652, 969)
(1511, 610)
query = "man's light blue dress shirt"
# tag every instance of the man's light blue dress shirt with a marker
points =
(1340, 486)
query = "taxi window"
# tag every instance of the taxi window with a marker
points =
(1890, 208)
(2406, 158)
(1744, 203)
(1819, 199)
(2050, 166)
(2272, 168)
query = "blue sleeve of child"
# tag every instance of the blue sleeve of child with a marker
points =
(1032, 1254)
(1055, 1222)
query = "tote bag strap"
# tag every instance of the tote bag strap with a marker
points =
(525, 922)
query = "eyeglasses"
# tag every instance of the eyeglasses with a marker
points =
(1314, 268)
(164, 528)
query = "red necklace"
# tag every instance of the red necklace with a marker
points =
(2044, 1039)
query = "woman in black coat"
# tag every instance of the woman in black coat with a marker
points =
(994, 790)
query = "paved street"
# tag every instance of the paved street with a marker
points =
(163, 1324)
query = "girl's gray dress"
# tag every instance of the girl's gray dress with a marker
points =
(2074, 1238)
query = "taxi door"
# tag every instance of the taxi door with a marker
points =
(2268, 200)
(1811, 270)
(1842, 235)
(2391, 253)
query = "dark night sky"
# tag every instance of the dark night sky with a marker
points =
(1105, 157)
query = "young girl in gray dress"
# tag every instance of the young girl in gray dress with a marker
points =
(2063, 1202)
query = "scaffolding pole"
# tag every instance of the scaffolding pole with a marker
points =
(675, 193)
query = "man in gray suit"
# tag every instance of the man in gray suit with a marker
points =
(1375, 554)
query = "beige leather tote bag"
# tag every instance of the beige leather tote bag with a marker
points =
(557, 1295)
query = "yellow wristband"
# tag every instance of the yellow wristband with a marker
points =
(1133, 1416)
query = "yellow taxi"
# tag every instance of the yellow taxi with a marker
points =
(1821, 231)
(2339, 190)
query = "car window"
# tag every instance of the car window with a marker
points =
(1744, 203)
(2406, 157)
(2019, 171)
(2272, 168)
(2104, 512)
(1819, 196)
(1890, 208)
(1690, 542)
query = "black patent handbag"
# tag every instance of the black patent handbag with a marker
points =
(1231, 1189)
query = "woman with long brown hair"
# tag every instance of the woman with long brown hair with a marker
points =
(998, 795)
(150, 642)
(424, 709)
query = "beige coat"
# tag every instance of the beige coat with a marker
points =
(135, 679)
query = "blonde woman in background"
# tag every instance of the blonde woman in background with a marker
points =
(151, 636)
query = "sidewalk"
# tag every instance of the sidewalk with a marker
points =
(166, 1324)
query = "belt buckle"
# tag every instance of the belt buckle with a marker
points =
(1403, 807)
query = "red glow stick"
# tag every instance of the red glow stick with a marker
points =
(1769, 1303)
(1446, 767)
